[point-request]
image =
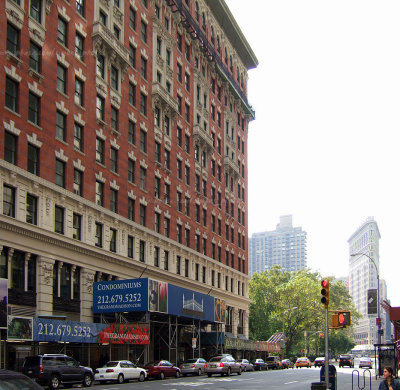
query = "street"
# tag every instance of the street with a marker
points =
(292, 379)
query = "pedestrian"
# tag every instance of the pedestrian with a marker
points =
(389, 383)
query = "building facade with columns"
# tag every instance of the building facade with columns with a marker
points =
(123, 155)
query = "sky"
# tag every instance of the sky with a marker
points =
(325, 143)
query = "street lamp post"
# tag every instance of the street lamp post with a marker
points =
(378, 295)
(283, 322)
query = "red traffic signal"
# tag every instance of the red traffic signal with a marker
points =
(325, 292)
(344, 318)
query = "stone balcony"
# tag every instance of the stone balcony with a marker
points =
(202, 137)
(231, 167)
(164, 99)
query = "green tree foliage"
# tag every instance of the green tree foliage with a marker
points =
(274, 292)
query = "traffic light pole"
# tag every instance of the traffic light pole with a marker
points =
(326, 349)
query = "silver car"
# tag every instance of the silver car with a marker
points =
(223, 365)
(246, 365)
(193, 366)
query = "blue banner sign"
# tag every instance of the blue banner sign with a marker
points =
(120, 295)
(188, 303)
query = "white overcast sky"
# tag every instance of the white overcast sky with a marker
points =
(325, 143)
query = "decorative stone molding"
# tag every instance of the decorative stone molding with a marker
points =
(143, 164)
(15, 14)
(79, 74)
(115, 99)
(63, 12)
(143, 90)
(34, 88)
(99, 177)
(131, 155)
(78, 165)
(32, 139)
(113, 143)
(100, 134)
(131, 195)
(143, 201)
(132, 79)
(60, 155)
(11, 72)
(167, 214)
(167, 180)
(131, 117)
(157, 209)
(61, 59)
(10, 126)
(143, 127)
(157, 174)
(78, 119)
(79, 27)
(114, 185)
(61, 107)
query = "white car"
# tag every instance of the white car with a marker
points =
(365, 362)
(120, 371)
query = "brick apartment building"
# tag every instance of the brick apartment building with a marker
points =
(123, 156)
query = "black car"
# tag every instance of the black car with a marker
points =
(273, 363)
(346, 360)
(16, 380)
(259, 364)
(54, 370)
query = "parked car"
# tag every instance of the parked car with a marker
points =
(273, 362)
(245, 365)
(319, 362)
(303, 362)
(16, 380)
(346, 360)
(365, 362)
(287, 363)
(54, 370)
(259, 364)
(193, 366)
(120, 371)
(223, 365)
(161, 369)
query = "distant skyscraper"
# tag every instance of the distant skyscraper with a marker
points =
(285, 246)
(363, 277)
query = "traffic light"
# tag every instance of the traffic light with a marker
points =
(344, 318)
(325, 293)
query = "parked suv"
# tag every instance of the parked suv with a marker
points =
(54, 370)
(273, 362)
(346, 360)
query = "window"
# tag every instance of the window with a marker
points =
(196, 276)
(98, 235)
(114, 118)
(187, 206)
(143, 67)
(59, 219)
(132, 18)
(167, 159)
(35, 57)
(77, 226)
(62, 31)
(131, 246)
(12, 40)
(99, 193)
(187, 82)
(179, 201)
(178, 265)
(114, 200)
(12, 94)
(168, 57)
(204, 274)
(187, 174)
(197, 213)
(99, 150)
(142, 251)
(80, 7)
(158, 46)
(167, 125)
(113, 240)
(78, 137)
(131, 132)
(10, 148)
(103, 18)
(143, 141)
(143, 103)
(31, 209)
(131, 209)
(179, 233)
(187, 237)
(114, 78)
(8, 201)
(60, 173)
(34, 109)
(187, 143)
(100, 65)
(143, 178)
(157, 184)
(100, 108)
(166, 260)
(79, 85)
(179, 169)
(179, 41)
(116, 32)
(78, 182)
(157, 222)
(33, 159)
(131, 170)
(166, 193)
(187, 51)
(143, 31)
(132, 94)
(156, 256)
(179, 72)
(142, 212)
(186, 268)
(79, 46)
(61, 78)
(116, 3)
(132, 56)
(61, 121)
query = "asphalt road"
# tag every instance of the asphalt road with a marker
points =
(292, 379)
